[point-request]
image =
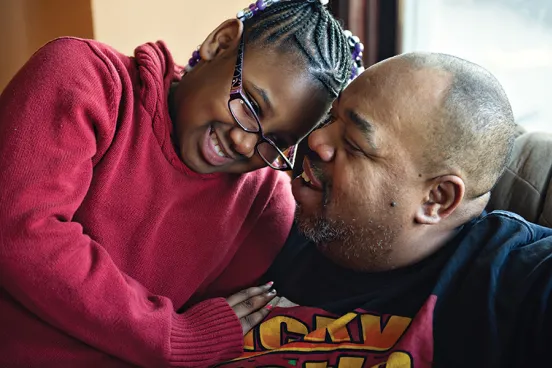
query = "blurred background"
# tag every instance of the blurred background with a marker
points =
(511, 38)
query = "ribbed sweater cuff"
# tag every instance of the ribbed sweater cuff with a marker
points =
(206, 334)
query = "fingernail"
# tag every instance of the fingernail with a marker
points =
(270, 283)
(269, 307)
(272, 292)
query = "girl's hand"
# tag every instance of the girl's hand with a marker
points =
(250, 305)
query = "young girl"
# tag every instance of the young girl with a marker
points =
(128, 188)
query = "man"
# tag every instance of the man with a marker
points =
(399, 265)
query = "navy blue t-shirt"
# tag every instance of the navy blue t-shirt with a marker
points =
(482, 300)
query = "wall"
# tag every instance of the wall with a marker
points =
(13, 43)
(25, 25)
(182, 24)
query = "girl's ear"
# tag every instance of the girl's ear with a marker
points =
(225, 37)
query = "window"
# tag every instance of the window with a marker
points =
(511, 38)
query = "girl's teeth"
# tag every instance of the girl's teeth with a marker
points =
(217, 146)
(305, 177)
(219, 151)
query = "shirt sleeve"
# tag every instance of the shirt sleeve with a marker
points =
(494, 296)
(525, 302)
(54, 116)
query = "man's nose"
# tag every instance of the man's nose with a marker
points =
(243, 142)
(321, 142)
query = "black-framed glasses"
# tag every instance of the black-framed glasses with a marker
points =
(278, 158)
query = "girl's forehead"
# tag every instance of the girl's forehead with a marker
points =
(298, 100)
(288, 60)
(283, 76)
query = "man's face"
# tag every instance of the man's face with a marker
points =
(362, 183)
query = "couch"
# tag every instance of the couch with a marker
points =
(526, 188)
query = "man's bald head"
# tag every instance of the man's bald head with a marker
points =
(473, 131)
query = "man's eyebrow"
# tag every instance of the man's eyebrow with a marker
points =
(264, 95)
(364, 126)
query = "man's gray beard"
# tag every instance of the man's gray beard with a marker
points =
(319, 229)
(350, 245)
(323, 231)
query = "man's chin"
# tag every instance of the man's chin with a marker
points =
(305, 223)
(317, 228)
(305, 220)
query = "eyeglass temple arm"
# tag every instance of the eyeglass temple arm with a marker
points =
(236, 86)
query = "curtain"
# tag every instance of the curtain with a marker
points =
(375, 22)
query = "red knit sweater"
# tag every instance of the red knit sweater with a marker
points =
(104, 232)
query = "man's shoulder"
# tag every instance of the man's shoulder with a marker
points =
(518, 246)
(507, 231)
(499, 255)
(501, 241)
(493, 288)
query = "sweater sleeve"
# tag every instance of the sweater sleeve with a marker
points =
(54, 116)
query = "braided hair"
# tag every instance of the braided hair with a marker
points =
(308, 29)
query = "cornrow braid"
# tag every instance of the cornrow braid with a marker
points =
(309, 28)
(334, 56)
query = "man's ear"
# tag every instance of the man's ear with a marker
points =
(444, 196)
(224, 37)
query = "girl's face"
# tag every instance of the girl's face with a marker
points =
(287, 100)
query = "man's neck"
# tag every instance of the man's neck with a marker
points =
(430, 238)
(421, 246)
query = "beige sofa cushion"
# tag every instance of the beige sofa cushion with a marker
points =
(526, 188)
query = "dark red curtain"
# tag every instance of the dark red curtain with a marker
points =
(374, 21)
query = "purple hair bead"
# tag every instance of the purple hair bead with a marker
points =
(260, 5)
(195, 55)
(359, 47)
(253, 9)
(193, 61)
